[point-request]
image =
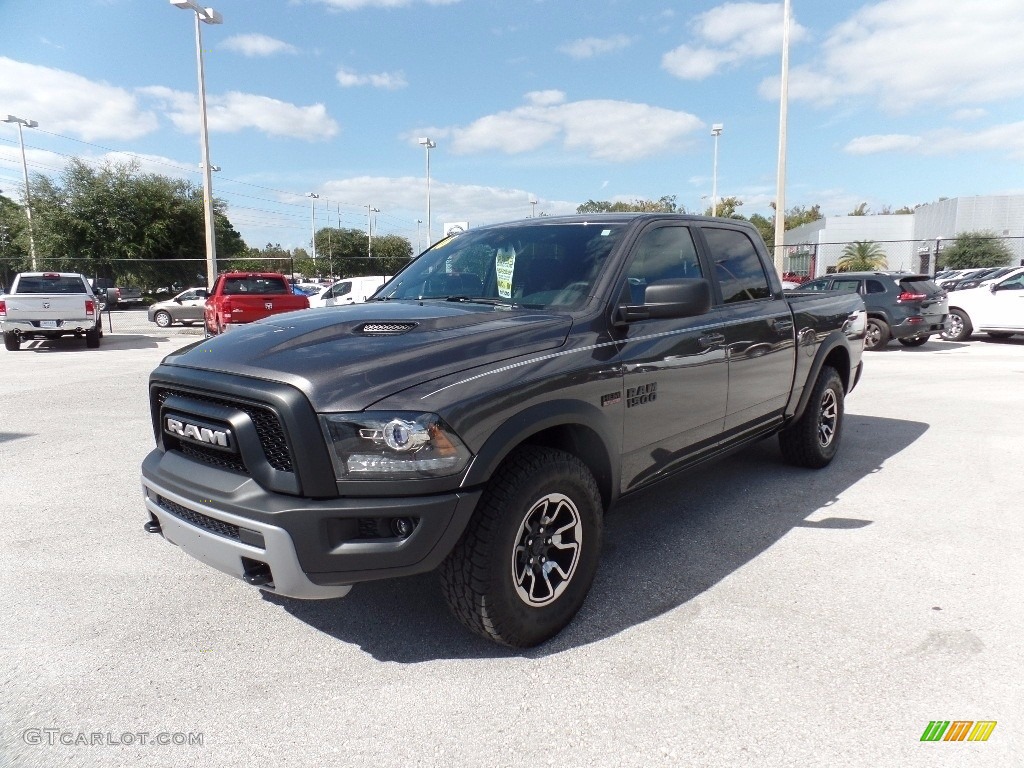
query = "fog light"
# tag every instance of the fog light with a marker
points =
(402, 527)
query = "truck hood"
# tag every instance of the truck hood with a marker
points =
(347, 358)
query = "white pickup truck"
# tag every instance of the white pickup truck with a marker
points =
(49, 305)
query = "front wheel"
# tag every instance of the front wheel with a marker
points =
(162, 319)
(813, 440)
(958, 326)
(525, 563)
(916, 341)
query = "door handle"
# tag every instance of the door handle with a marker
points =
(782, 326)
(711, 340)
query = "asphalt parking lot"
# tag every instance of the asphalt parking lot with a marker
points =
(752, 614)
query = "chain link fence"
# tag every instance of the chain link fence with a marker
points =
(809, 260)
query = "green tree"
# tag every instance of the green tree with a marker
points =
(390, 253)
(726, 208)
(975, 249)
(14, 250)
(665, 204)
(862, 256)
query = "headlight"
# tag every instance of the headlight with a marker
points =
(392, 445)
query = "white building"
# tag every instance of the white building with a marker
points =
(910, 241)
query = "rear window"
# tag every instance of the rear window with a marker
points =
(261, 285)
(55, 284)
(919, 285)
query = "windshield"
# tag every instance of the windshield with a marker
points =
(531, 265)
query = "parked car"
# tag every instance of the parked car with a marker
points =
(950, 282)
(987, 276)
(996, 309)
(186, 308)
(351, 290)
(48, 305)
(907, 307)
(244, 297)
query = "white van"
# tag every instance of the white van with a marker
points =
(351, 290)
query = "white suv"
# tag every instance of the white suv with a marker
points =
(997, 308)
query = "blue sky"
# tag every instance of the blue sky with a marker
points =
(892, 103)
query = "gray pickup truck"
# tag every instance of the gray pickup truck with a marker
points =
(48, 305)
(482, 412)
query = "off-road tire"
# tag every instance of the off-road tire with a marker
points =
(488, 579)
(813, 440)
(12, 342)
(877, 333)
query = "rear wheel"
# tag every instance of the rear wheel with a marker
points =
(12, 342)
(92, 338)
(526, 561)
(915, 341)
(813, 439)
(876, 336)
(958, 326)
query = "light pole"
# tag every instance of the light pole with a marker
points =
(428, 145)
(24, 167)
(533, 209)
(780, 179)
(208, 16)
(716, 131)
(313, 197)
(419, 244)
(369, 233)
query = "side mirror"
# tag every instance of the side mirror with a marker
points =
(665, 299)
(993, 287)
(178, 299)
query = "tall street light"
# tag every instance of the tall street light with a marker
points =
(369, 233)
(313, 197)
(533, 208)
(428, 145)
(716, 131)
(780, 178)
(208, 16)
(24, 167)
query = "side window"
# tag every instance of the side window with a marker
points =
(846, 286)
(737, 266)
(1015, 283)
(873, 286)
(665, 253)
(814, 285)
(342, 289)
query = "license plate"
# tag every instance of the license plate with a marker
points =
(47, 323)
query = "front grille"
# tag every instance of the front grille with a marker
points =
(267, 424)
(218, 459)
(198, 519)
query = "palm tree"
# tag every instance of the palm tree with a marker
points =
(862, 256)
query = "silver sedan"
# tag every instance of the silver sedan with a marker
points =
(187, 307)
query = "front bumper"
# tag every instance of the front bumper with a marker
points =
(312, 548)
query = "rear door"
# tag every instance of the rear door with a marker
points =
(758, 331)
(675, 371)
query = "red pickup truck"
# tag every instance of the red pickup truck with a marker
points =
(242, 297)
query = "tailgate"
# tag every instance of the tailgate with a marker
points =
(246, 309)
(47, 307)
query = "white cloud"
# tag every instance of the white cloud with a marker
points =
(588, 47)
(255, 44)
(390, 81)
(235, 111)
(729, 35)
(355, 5)
(616, 131)
(1008, 137)
(63, 102)
(906, 53)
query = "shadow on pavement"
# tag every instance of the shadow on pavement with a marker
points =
(109, 342)
(662, 547)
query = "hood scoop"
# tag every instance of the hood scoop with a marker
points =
(384, 328)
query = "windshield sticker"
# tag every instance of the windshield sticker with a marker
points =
(605, 232)
(504, 266)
